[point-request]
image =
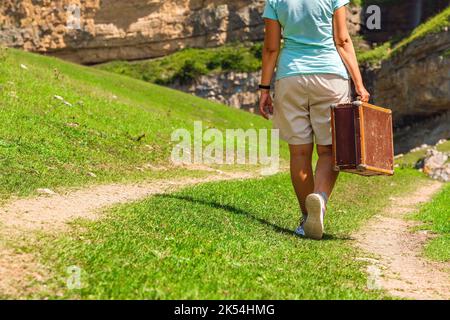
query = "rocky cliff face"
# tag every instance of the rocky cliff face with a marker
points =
(416, 82)
(236, 89)
(128, 30)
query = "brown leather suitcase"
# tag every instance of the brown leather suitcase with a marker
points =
(362, 139)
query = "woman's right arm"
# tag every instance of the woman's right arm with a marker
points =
(344, 46)
(271, 50)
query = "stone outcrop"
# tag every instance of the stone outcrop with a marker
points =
(416, 82)
(130, 30)
(236, 89)
(435, 164)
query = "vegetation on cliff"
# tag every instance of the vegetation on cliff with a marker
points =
(189, 64)
(436, 24)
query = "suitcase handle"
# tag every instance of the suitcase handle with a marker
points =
(354, 103)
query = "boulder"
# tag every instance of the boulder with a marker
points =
(436, 165)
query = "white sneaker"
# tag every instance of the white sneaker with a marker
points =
(315, 205)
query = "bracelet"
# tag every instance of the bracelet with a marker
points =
(264, 87)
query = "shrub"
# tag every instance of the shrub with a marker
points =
(256, 50)
(190, 70)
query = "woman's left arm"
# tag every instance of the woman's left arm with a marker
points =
(271, 50)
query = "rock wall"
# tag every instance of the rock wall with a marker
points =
(139, 29)
(236, 89)
(416, 82)
(130, 30)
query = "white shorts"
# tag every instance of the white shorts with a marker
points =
(302, 107)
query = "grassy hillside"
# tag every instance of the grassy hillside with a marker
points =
(68, 125)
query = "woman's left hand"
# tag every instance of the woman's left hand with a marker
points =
(363, 94)
(265, 104)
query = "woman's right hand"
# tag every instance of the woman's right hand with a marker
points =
(363, 94)
(265, 104)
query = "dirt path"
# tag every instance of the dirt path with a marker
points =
(20, 219)
(404, 272)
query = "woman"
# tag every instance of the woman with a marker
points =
(312, 74)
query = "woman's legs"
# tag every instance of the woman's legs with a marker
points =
(301, 172)
(315, 203)
(325, 175)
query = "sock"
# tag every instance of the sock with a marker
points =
(324, 196)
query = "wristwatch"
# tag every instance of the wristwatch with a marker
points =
(264, 87)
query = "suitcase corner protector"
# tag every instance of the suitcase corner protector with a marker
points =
(361, 167)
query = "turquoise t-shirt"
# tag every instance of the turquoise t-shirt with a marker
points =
(308, 36)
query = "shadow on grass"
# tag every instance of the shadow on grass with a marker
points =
(239, 211)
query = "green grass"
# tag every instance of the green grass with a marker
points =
(47, 144)
(229, 240)
(444, 147)
(436, 216)
(356, 2)
(188, 64)
(377, 54)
